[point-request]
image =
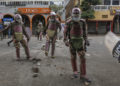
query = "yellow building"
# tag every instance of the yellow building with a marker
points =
(106, 17)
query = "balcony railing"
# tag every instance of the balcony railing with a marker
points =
(103, 7)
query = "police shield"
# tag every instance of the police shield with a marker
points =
(28, 31)
(112, 42)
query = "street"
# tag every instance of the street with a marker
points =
(102, 68)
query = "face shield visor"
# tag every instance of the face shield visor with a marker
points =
(76, 17)
(18, 18)
(52, 17)
(76, 14)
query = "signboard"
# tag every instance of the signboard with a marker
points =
(34, 10)
(8, 19)
(114, 10)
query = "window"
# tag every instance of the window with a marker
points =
(31, 2)
(35, 2)
(2, 3)
(115, 2)
(45, 3)
(40, 2)
(107, 2)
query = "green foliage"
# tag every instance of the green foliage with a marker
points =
(87, 11)
(55, 8)
(88, 14)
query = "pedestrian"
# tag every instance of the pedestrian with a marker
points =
(39, 31)
(75, 35)
(18, 36)
(51, 33)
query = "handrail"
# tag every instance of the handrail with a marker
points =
(103, 7)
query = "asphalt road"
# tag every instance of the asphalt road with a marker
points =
(102, 68)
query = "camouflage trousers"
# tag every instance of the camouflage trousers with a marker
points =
(81, 54)
(52, 42)
(25, 46)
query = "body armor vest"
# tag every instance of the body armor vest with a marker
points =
(76, 30)
(18, 28)
(52, 26)
(76, 35)
(18, 32)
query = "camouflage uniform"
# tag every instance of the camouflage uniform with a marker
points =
(51, 36)
(76, 32)
(18, 37)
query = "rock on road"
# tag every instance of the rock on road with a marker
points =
(102, 68)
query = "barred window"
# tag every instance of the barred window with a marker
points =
(115, 2)
(107, 2)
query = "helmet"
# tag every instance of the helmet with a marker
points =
(18, 18)
(76, 14)
(52, 16)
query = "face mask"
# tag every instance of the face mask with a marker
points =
(76, 18)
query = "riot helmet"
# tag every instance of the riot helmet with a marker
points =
(76, 14)
(52, 16)
(18, 18)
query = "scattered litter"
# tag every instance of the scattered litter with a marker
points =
(43, 47)
(61, 74)
(35, 71)
(38, 64)
(35, 75)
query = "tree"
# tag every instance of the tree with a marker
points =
(55, 7)
(87, 11)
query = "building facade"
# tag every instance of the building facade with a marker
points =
(107, 17)
(32, 11)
